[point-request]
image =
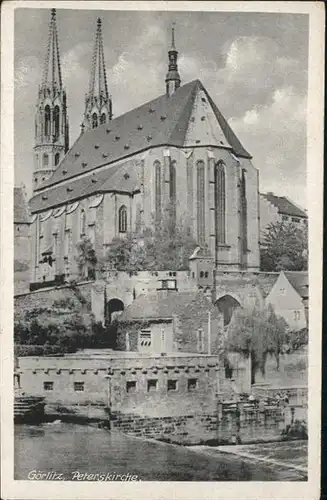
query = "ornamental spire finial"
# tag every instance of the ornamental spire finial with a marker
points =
(173, 79)
(173, 36)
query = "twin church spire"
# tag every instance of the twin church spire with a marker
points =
(51, 120)
(98, 103)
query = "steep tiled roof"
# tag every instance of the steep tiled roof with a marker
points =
(155, 306)
(162, 121)
(284, 205)
(299, 281)
(21, 214)
(122, 178)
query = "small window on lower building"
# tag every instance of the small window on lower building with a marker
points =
(192, 384)
(48, 386)
(295, 219)
(79, 386)
(284, 218)
(131, 386)
(172, 385)
(296, 315)
(145, 338)
(152, 385)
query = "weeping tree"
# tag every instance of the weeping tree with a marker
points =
(256, 333)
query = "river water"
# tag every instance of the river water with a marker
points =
(73, 450)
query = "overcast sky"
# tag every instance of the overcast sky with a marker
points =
(253, 65)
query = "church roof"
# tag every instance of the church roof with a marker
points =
(284, 205)
(21, 214)
(162, 121)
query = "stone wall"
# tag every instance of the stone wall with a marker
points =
(44, 298)
(176, 413)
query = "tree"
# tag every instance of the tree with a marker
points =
(284, 246)
(165, 246)
(256, 333)
(86, 258)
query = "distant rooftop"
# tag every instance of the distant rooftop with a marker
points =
(21, 213)
(284, 205)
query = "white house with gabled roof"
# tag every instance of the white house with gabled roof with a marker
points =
(289, 297)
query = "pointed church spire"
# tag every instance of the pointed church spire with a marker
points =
(98, 105)
(52, 69)
(51, 121)
(173, 80)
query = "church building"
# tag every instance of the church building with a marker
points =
(120, 175)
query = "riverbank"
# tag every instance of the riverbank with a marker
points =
(290, 455)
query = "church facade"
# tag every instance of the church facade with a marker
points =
(121, 174)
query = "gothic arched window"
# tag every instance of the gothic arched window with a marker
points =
(122, 219)
(47, 121)
(56, 120)
(200, 202)
(57, 158)
(103, 118)
(45, 159)
(172, 182)
(220, 202)
(94, 120)
(157, 173)
(82, 222)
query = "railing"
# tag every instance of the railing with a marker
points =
(297, 395)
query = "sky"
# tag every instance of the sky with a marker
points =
(254, 65)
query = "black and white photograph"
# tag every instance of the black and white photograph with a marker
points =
(164, 190)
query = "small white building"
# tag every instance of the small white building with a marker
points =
(289, 297)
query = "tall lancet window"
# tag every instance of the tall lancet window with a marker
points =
(122, 219)
(47, 121)
(157, 180)
(172, 190)
(94, 120)
(103, 118)
(220, 202)
(243, 221)
(82, 222)
(56, 120)
(200, 202)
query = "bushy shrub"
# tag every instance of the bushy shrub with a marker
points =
(79, 331)
(296, 430)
